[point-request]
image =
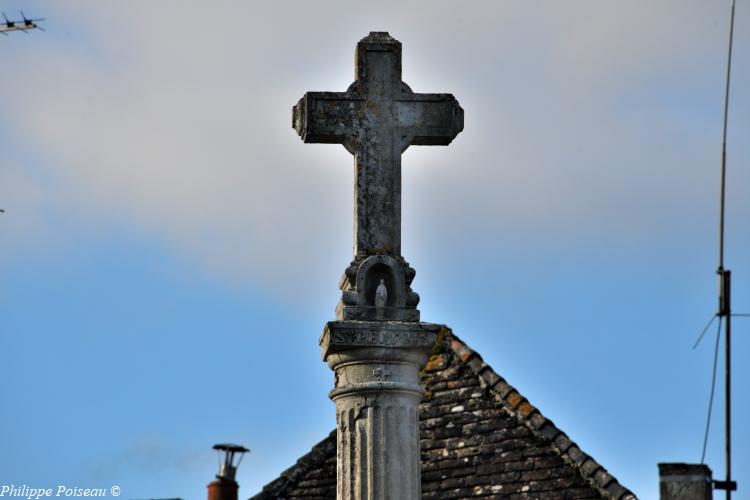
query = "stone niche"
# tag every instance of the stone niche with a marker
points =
(359, 286)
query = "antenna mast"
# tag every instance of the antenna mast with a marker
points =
(725, 285)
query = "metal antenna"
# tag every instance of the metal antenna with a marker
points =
(25, 24)
(725, 285)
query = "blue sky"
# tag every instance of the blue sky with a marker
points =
(171, 250)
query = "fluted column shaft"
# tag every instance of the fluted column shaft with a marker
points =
(377, 395)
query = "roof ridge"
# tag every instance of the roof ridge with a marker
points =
(517, 405)
(300, 468)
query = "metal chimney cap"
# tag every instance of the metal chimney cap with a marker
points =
(231, 447)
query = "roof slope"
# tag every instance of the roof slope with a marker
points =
(479, 437)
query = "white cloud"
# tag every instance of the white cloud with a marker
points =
(176, 118)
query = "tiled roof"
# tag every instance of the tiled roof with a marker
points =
(479, 438)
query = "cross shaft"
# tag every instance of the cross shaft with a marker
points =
(376, 119)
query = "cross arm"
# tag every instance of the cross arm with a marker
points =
(326, 117)
(431, 119)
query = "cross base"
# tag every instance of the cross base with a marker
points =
(359, 287)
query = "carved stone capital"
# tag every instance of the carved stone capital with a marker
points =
(390, 339)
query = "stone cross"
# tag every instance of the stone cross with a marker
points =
(378, 345)
(376, 119)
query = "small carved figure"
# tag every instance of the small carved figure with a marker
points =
(381, 297)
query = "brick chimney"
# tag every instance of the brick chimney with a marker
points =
(685, 482)
(224, 487)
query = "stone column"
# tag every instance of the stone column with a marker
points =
(377, 394)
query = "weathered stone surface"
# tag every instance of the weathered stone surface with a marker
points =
(341, 336)
(359, 286)
(376, 119)
(377, 394)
